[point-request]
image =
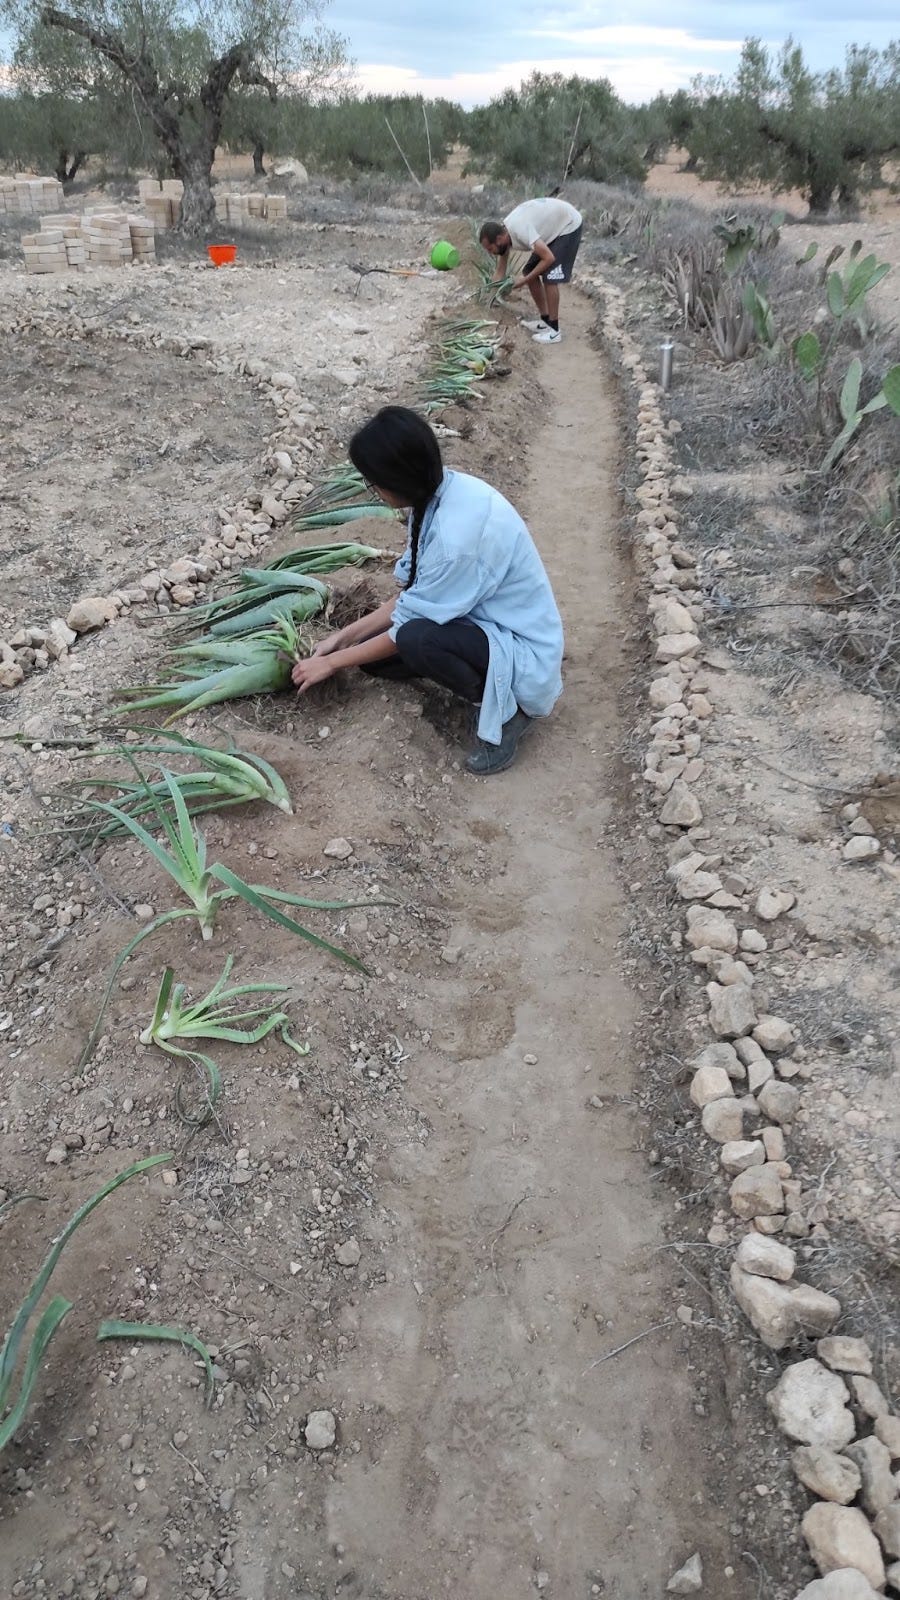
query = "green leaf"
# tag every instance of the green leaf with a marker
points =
(9, 1353)
(50, 1320)
(237, 886)
(112, 1328)
(808, 355)
(811, 251)
(891, 388)
(835, 294)
(849, 400)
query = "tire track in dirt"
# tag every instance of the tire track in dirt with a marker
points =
(504, 1455)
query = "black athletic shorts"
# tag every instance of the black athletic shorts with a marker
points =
(565, 249)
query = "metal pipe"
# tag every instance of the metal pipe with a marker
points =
(665, 364)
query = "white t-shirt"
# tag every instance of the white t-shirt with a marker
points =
(540, 219)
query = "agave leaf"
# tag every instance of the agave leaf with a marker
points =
(50, 1320)
(112, 1328)
(255, 898)
(12, 1342)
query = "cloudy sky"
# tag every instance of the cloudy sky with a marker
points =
(468, 50)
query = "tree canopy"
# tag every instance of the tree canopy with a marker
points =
(177, 64)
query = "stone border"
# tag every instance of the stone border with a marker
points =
(744, 1074)
(293, 446)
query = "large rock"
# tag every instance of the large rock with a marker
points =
(873, 1459)
(681, 807)
(706, 926)
(92, 612)
(11, 674)
(720, 1055)
(60, 638)
(780, 1311)
(779, 1101)
(847, 1583)
(765, 1258)
(736, 1155)
(809, 1404)
(868, 1396)
(840, 1536)
(757, 1193)
(710, 1083)
(731, 1009)
(723, 1120)
(829, 1475)
(772, 903)
(320, 1430)
(860, 849)
(773, 1033)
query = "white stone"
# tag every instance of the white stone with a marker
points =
(861, 849)
(674, 646)
(779, 1101)
(843, 1354)
(11, 674)
(723, 1120)
(688, 1579)
(681, 807)
(339, 849)
(91, 612)
(320, 1431)
(710, 927)
(722, 1055)
(765, 1258)
(753, 941)
(772, 903)
(829, 1475)
(887, 1429)
(809, 1404)
(839, 1537)
(60, 638)
(348, 1254)
(773, 1033)
(779, 1311)
(731, 1011)
(710, 1083)
(736, 1155)
(757, 1193)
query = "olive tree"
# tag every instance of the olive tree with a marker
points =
(555, 128)
(826, 134)
(179, 62)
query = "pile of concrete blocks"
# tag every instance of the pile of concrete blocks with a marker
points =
(161, 200)
(243, 209)
(67, 242)
(30, 197)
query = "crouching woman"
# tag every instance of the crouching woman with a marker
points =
(475, 612)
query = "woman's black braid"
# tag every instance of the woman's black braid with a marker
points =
(415, 529)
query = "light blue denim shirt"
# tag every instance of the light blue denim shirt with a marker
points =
(478, 560)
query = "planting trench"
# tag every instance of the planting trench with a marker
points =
(468, 1117)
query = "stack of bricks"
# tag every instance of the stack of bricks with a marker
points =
(108, 238)
(161, 201)
(241, 209)
(30, 197)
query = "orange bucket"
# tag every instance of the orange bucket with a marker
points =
(221, 255)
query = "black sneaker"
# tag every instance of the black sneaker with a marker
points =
(486, 759)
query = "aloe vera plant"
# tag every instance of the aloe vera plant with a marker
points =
(185, 861)
(13, 1408)
(176, 1023)
(222, 778)
(208, 672)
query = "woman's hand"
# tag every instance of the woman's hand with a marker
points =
(335, 641)
(314, 669)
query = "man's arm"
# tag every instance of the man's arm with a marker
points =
(546, 260)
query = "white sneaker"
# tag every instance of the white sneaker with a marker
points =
(547, 336)
(534, 325)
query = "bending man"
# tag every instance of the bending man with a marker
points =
(551, 230)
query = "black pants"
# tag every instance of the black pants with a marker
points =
(453, 654)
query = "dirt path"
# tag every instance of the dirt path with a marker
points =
(526, 1226)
